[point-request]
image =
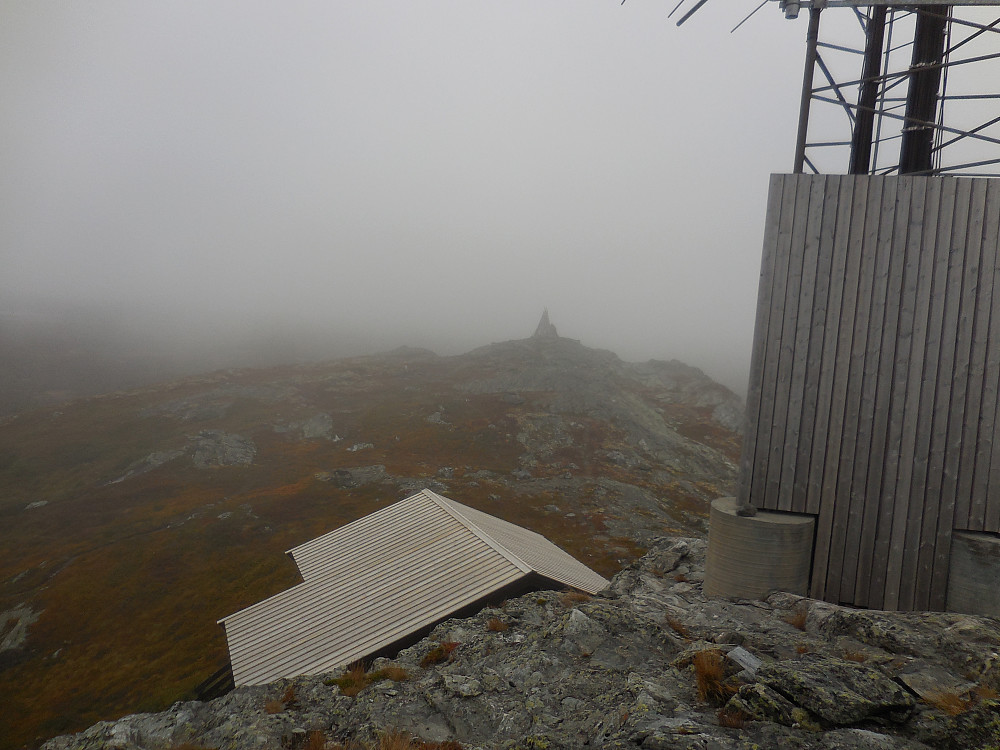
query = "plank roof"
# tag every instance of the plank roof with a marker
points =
(383, 577)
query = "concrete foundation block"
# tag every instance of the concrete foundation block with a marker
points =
(974, 574)
(749, 557)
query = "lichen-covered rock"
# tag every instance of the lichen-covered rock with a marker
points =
(616, 671)
(763, 703)
(978, 727)
(837, 691)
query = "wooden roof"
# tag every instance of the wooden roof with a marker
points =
(383, 577)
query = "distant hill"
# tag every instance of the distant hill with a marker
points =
(130, 522)
(50, 355)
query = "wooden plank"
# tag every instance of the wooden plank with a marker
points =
(967, 233)
(841, 417)
(922, 242)
(809, 459)
(850, 496)
(786, 344)
(771, 352)
(835, 246)
(892, 508)
(991, 504)
(753, 417)
(919, 505)
(949, 381)
(824, 460)
(984, 301)
(801, 359)
(876, 395)
(987, 441)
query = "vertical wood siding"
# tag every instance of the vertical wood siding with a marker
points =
(873, 400)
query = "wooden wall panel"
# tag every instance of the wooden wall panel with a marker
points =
(873, 400)
(986, 507)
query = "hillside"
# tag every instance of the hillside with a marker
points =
(130, 522)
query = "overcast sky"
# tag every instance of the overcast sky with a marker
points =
(426, 173)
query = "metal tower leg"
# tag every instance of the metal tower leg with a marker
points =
(864, 124)
(917, 147)
(812, 36)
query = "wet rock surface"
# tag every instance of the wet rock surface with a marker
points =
(625, 669)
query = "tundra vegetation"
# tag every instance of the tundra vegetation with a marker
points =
(131, 522)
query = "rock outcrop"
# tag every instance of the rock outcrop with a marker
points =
(643, 665)
(207, 449)
(316, 426)
(14, 624)
(218, 448)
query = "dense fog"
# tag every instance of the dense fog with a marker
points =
(192, 185)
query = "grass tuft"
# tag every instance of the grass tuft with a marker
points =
(570, 598)
(678, 627)
(496, 625)
(732, 718)
(709, 674)
(355, 678)
(353, 681)
(439, 653)
(948, 703)
(394, 739)
(985, 693)
(288, 701)
(394, 673)
(797, 618)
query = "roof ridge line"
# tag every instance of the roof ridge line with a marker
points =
(445, 504)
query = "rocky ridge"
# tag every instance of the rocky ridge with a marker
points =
(648, 663)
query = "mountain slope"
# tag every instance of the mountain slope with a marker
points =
(129, 523)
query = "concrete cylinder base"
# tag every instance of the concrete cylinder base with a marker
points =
(974, 573)
(749, 557)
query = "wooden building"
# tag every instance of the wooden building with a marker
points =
(873, 400)
(375, 584)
